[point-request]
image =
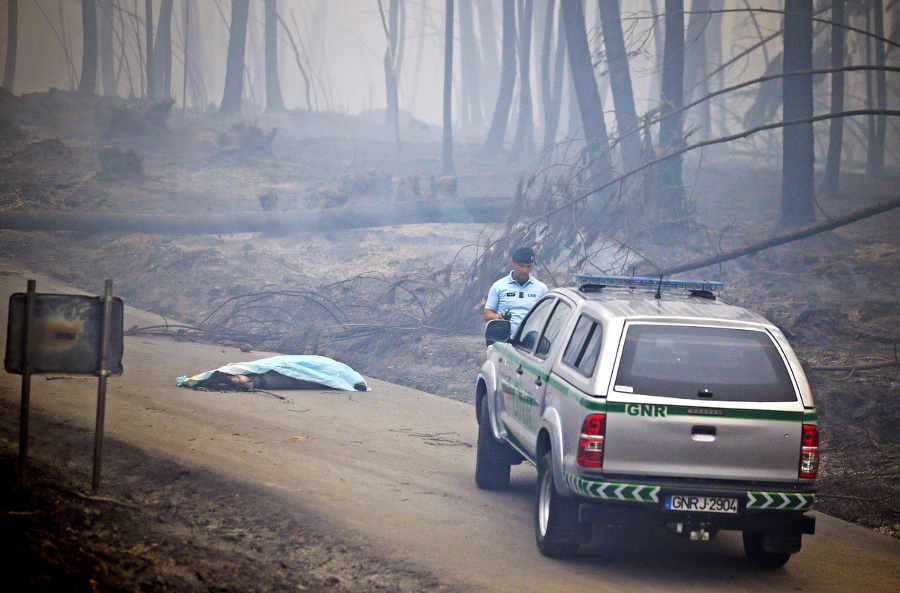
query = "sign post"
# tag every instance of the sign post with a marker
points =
(58, 333)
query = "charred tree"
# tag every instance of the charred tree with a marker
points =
(671, 137)
(105, 46)
(449, 169)
(162, 54)
(148, 34)
(875, 157)
(490, 56)
(497, 131)
(551, 83)
(589, 103)
(391, 62)
(274, 101)
(234, 68)
(797, 189)
(523, 143)
(88, 81)
(471, 113)
(696, 78)
(12, 43)
(620, 82)
(836, 131)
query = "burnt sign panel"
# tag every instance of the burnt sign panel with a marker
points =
(66, 335)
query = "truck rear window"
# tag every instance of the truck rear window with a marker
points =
(704, 363)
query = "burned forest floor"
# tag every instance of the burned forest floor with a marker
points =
(364, 296)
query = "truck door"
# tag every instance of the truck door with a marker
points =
(516, 388)
(524, 373)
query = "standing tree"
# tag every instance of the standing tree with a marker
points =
(148, 23)
(449, 168)
(589, 103)
(106, 30)
(391, 61)
(497, 131)
(551, 86)
(695, 56)
(471, 112)
(234, 68)
(620, 82)
(671, 138)
(88, 81)
(878, 127)
(274, 101)
(162, 54)
(836, 132)
(523, 143)
(797, 189)
(12, 43)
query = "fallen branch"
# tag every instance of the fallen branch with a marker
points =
(860, 367)
(481, 210)
(803, 233)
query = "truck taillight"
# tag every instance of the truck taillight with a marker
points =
(809, 452)
(590, 443)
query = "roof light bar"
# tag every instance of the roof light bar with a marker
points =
(650, 283)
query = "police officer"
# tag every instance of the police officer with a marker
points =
(512, 296)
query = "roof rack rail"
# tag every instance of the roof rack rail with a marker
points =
(699, 288)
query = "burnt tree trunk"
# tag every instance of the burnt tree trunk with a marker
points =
(12, 44)
(589, 103)
(497, 131)
(148, 34)
(105, 46)
(471, 112)
(696, 79)
(620, 82)
(162, 54)
(836, 132)
(490, 55)
(449, 169)
(234, 68)
(274, 100)
(797, 189)
(875, 158)
(88, 81)
(671, 137)
(523, 143)
(390, 64)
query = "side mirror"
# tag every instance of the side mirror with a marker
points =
(497, 330)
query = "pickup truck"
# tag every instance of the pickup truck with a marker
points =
(648, 401)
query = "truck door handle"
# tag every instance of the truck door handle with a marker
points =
(519, 371)
(538, 382)
(701, 433)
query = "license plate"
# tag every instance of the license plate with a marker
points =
(705, 504)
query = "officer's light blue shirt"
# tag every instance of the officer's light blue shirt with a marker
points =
(508, 295)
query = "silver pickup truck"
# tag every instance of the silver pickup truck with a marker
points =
(651, 401)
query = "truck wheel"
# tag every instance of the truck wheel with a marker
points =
(754, 549)
(556, 528)
(492, 459)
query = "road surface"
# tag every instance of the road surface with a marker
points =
(393, 468)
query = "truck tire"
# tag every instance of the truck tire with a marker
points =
(755, 550)
(557, 531)
(492, 458)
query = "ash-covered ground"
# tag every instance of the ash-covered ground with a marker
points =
(363, 296)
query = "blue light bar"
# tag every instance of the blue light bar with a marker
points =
(643, 282)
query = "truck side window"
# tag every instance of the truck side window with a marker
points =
(584, 346)
(531, 326)
(557, 320)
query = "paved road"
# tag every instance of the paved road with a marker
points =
(394, 468)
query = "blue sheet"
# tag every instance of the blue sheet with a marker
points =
(315, 369)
